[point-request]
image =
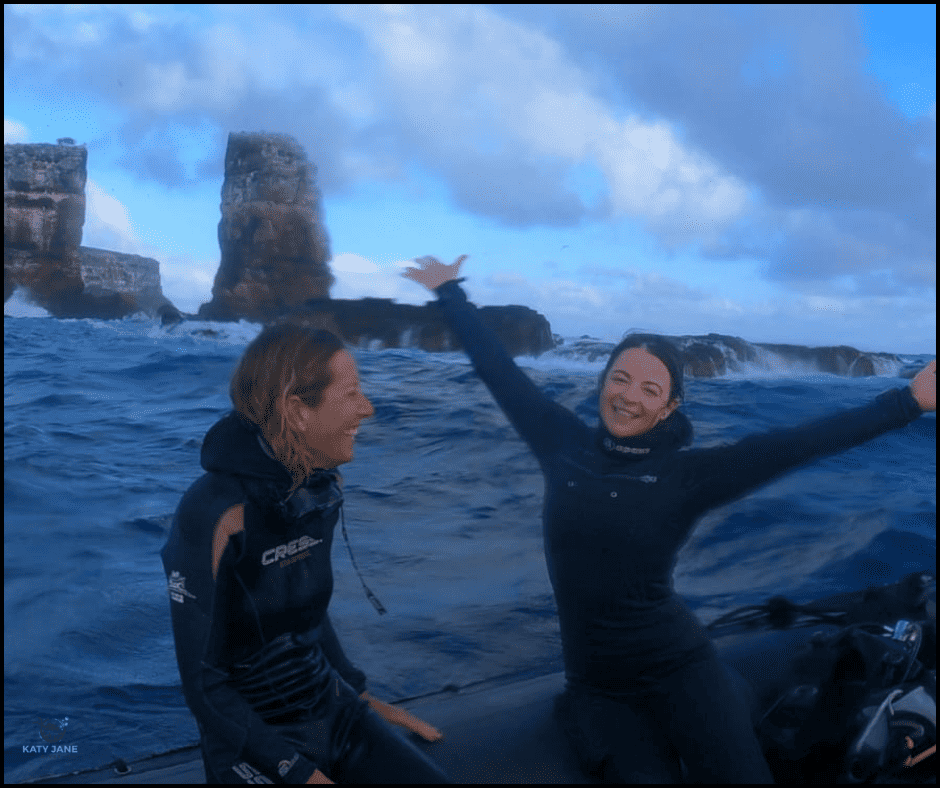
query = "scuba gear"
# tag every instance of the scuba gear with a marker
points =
(860, 704)
(842, 724)
(913, 597)
(900, 732)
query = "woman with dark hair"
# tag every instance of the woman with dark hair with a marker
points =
(644, 685)
(248, 565)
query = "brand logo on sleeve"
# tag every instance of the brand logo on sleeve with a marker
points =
(285, 766)
(250, 774)
(176, 585)
(292, 548)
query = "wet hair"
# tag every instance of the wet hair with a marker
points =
(283, 361)
(657, 346)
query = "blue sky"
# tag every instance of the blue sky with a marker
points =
(768, 172)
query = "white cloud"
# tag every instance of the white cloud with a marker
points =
(827, 304)
(660, 304)
(352, 264)
(167, 87)
(466, 76)
(14, 132)
(140, 21)
(185, 280)
(358, 277)
(87, 33)
(107, 222)
(674, 189)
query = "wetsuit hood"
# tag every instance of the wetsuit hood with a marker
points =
(670, 434)
(235, 446)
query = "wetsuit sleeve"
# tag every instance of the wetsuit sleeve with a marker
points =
(237, 743)
(334, 654)
(724, 473)
(541, 422)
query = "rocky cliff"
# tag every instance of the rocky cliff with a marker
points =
(43, 216)
(715, 354)
(381, 323)
(712, 355)
(274, 247)
(133, 279)
(275, 253)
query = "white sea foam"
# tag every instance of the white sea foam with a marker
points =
(590, 355)
(19, 305)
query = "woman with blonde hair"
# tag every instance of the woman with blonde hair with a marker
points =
(248, 565)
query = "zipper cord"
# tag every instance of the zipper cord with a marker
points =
(369, 595)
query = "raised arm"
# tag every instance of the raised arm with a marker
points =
(724, 473)
(538, 419)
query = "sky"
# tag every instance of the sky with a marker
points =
(762, 171)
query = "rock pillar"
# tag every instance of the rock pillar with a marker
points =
(274, 247)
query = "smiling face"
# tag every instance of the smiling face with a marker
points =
(635, 397)
(330, 428)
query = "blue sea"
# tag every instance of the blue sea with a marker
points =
(103, 422)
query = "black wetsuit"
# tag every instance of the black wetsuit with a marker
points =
(270, 598)
(616, 512)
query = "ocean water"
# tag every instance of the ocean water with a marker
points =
(103, 423)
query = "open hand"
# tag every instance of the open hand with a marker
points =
(924, 387)
(425, 730)
(433, 273)
(399, 716)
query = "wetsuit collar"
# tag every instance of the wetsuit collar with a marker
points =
(320, 494)
(236, 446)
(671, 434)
